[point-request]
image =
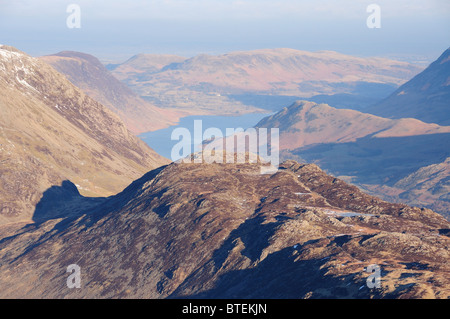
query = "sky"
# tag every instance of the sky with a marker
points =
(114, 30)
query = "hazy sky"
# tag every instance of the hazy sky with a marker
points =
(117, 29)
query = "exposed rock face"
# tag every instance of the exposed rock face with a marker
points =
(87, 73)
(425, 97)
(50, 131)
(225, 230)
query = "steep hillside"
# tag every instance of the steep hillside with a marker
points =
(425, 97)
(226, 231)
(429, 186)
(50, 131)
(87, 73)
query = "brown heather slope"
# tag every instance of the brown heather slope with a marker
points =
(226, 231)
(305, 123)
(87, 73)
(50, 131)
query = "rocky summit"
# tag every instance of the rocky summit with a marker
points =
(189, 230)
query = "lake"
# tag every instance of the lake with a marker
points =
(161, 142)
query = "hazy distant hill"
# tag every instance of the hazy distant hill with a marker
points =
(143, 63)
(50, 131)
(425, 97)
(86, 72)
(203, 82)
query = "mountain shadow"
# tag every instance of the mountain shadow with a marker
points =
(63, 201)
(281, 275)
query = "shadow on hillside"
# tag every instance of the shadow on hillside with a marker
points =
(279, 276)
(282, 274)
(66, 201)
(63, 201)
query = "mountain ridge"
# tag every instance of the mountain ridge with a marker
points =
(304, 123)
(202, 81)
(424, 97)
(50, 131)
(219, 230)
(86, 72)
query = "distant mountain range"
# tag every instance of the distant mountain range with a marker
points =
(143, 63)
(215, 84)
(51, 131)
(425, 97)
(400, 158)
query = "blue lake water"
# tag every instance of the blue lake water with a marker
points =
(162, 143)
